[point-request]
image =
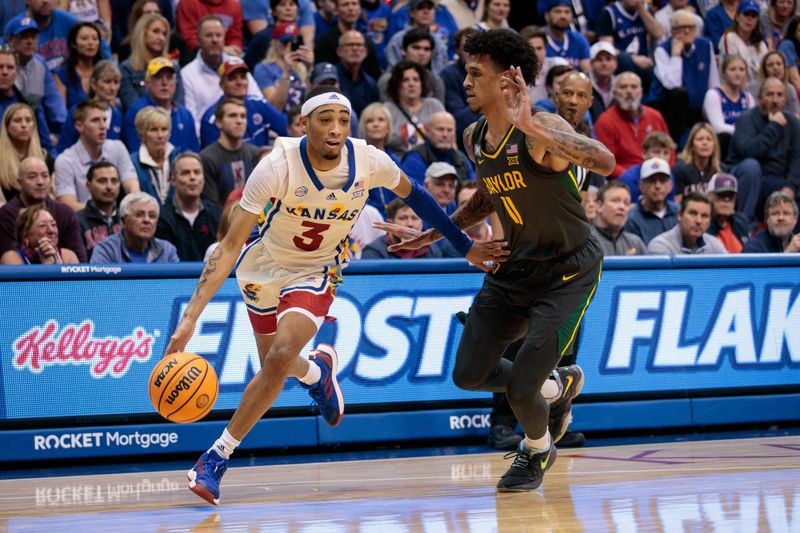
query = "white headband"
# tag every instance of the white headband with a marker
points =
(323, 99)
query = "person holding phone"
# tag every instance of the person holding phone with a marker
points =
(283, 75)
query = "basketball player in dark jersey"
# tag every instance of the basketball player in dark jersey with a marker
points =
(526, 170)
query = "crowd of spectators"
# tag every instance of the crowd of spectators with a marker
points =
(130, 127)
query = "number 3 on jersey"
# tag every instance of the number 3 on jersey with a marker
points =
(313, 237)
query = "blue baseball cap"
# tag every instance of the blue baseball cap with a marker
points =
(748, 6)
(16, 26)
(559, 3)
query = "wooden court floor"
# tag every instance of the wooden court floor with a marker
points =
(745, 485)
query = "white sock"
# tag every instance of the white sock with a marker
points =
(225, 444)
(542, 444)
(550, 390)
(313, 374)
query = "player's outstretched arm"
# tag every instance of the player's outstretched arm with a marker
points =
(426, 207)
(550, 132)
(216, 271)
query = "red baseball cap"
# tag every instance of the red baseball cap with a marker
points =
(230, 66)
(284, 31)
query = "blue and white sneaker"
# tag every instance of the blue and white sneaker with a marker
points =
(206, 474)
(326, 393)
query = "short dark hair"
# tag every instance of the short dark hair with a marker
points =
(557, 70)
(292, 112)
(465, 34)
(97, 166)
(418, 34)
(694, 196)
(505, 48)
(396, 78)
(613, 184)
(219, 112)
(79, 113)
(394, 206)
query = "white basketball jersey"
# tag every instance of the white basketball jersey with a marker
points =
(308, 225)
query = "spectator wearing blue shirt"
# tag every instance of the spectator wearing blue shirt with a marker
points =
(136, 243)
(685, 68)
(627, 24)
(324, 17)
(790, 48)
(444, 24)
(104, 85)
(656, 144)
(455, 96)
(441, 181)
(561, 40)
(34, 79)
(283, 73)
(356, 84)
(422, 15)
(718, 19)
(653, 214)
(378, 15)
(261, 16)
(54, 25)
(781, 219)
(160, 83)
(74, 75)
(264, 122)
(439, 146)
(375, 126)
(9, 94)
(349, 18)
(149, 40)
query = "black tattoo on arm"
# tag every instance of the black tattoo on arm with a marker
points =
(562, 141)
(475, 210)
(210, 268)
(468, 141)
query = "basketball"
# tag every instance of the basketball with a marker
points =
(183, 387)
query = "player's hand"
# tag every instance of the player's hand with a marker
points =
(517, 99)
(488, 252)
(410, 238)
(180, 338)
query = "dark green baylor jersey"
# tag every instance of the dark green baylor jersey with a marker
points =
(540, 209)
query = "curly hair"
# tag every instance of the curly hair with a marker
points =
(396, 79)
(505, 48)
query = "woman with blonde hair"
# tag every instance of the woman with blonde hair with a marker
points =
(495, 15)
(773, 65)
(104, 85)
(177, 44)
(19, 138)
(149, 39)
(697, 162)
(375, 127)
(37, 240)
(155, 155)
(283, 75)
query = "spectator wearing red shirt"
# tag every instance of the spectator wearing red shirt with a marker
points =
(189, 13)
(623, 126)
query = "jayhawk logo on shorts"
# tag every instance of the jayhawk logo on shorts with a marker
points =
(251, 291)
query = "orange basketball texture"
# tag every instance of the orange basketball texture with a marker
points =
(183, 387)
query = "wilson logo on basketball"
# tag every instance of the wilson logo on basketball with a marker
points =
(184, 384)
(41, 347)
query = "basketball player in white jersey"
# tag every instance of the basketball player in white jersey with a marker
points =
(305, 197)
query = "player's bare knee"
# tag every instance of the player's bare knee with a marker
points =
(466, 379)
(280, 359)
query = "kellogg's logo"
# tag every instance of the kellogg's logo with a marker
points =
(41, 347)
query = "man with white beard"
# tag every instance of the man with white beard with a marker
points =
(623, 126)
